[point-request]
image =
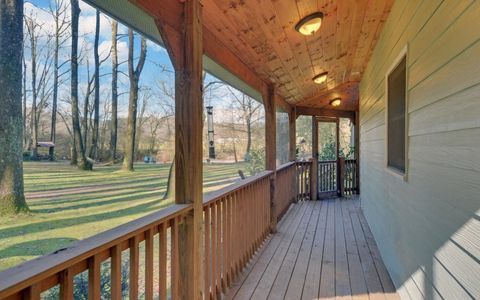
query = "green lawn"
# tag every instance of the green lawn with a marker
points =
(68, 205)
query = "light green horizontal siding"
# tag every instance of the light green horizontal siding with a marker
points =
(428, 228)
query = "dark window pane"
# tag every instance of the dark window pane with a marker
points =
(396, 117)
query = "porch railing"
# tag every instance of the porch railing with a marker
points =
(304, 169)
(145, 252)
(285, 192)
(327, 177)
(237, 220)
(350, 180)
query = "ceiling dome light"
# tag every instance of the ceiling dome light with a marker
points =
(320, 78)
(310, 24)
(336, 102)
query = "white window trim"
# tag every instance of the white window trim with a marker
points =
(397, 173)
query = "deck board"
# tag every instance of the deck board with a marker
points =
(323, 249)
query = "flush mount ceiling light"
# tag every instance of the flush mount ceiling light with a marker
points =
(310, 24)
(336, 102)
(320, 78)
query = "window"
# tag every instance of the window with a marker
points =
(396, 93)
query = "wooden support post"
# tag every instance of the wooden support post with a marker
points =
(186, 52)
(314, 170)
(339, 171)
(341, 176)
(292, 131)
(271, 150)
(357, 150)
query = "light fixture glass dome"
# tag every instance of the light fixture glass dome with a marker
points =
(320, 78)
(310, 24)
(336, 102)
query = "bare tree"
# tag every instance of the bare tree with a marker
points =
(134, 77)
(12, 199)
(249, 107)
(141, 118)
(41, 65)
(82, 162)
(96, 76)
(62, 24)
(114, 121)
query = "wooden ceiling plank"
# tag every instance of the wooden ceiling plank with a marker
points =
(372, 20)
(259, 36)
(288, 14)
(274, 31)
(355, 29)
(322, 48)
(232, 11)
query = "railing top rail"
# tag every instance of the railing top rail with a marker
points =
(327, 161)
(216, 195)
(304, 162)
(17, 278)
(285, 166)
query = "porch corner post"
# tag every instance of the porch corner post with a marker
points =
(292, 131)
(357, 149)
(189, 152)
(271, 150)
(314, 169)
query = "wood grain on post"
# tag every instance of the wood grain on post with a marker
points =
(186, 53)
(314, 166)
(271, 150)
(357, 151)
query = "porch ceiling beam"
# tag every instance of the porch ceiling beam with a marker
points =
(322, 112)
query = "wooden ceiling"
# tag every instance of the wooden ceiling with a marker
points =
(260, 36)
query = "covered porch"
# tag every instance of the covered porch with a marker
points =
(323, 249)
(267, 236)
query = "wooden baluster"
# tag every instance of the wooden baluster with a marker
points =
(149, 264)
(207, 240)
(94, 278)
(214, 250)
(134, 265)
(224, 245)
(162, 261)
(229, 238)
(66, 284)
(116, 272)
(175, 260)
(32, 292)
(235, 228)
(218, 260)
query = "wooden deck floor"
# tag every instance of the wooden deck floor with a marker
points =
(323, 249)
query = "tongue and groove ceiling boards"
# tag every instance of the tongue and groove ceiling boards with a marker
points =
(256, 41)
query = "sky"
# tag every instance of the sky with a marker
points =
(158, 67)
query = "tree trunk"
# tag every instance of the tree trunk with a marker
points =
(12, 199)
(53, 123)
(249, 135)
(134, 76)
(25, 141)
(170, 193)
(82, 162)
(96, 103)
(33, 115)
(114, 122)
